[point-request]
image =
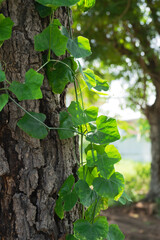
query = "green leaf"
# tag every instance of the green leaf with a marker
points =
(79, 47)
(124, 198)
(65, 122)
(57, 3)
(2, 76)
(59, 74)
(106, 131)
(70, 200)
(89, 78)
(43, 11)
(115, 233)
(67, 186)
(101, 85)
(90, 173)
(87, 231)
(68, 196)
(51, 37)
(6, 25)
(101, 204)
(104, 159)
(99, 148)
(30, 89)
(33, 127)
(70, 237)
(79, 116)
(109, 188)
(1, 1)
(86, 195)
(91, 158)
(59, 208)
(3, 101)
(85, 5)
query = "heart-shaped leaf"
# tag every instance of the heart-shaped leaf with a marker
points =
(106, 131)
(80, 116)
(33, 127)
(79, 47)
(109, 188)
(66, 123)
(60, 73)
(51, 37)
(87, 231)
(86, 195)
(30, 89)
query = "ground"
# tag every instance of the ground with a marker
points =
(140, 221)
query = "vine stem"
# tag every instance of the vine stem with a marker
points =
(42, 66)
(49, 128)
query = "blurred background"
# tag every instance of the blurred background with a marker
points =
(125, 41)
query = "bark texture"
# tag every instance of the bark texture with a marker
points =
(31, 171)
(153, 115)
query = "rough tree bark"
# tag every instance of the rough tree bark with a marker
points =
(31, 171)
(153, 115)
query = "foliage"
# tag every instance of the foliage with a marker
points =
(98, 182)
(125, 38)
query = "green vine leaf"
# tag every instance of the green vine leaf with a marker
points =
(124, 198)
(101, 85)
(101, 204)
(85, 5)
(87, 231)
(42, 10)
(104, 132)
(67, 197)
(90, 173)
(84, 192)
(57, 3)
(93, 81)
(109, 188)
(79, 116)
(6, 25)
(115, 233)
(30, 89)
(59, 210)
(67, 186)
(3, 101)
(89, 78)
(51, 37)
(33, 127)
(2, 76)
(104, 160)
(70, 237)
(65, 122)
(59, 74)
(79, 47)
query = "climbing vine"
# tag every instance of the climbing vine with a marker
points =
(98, 182)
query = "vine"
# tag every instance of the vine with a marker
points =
(98, 182)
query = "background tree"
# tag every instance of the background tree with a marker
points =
(126, 34)
(31, 170)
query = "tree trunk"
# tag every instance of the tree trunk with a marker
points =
(31, 170)
(153, 115)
